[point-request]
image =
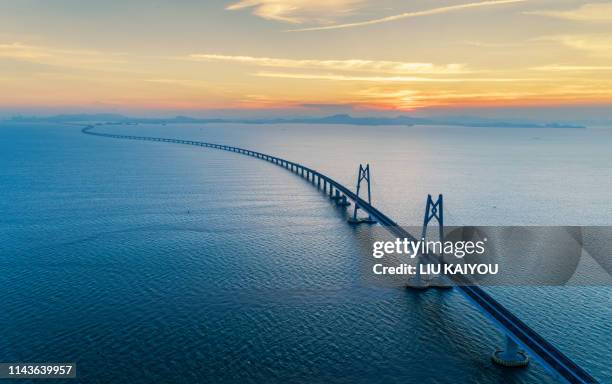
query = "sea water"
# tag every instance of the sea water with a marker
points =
(152, 262)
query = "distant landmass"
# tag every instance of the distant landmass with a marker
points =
(462, 121)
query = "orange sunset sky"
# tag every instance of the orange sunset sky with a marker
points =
(275, 54)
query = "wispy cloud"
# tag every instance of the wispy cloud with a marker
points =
(405, 15)
(587, 12)
(572, 68)
(483, 44)
(190, 83)
(21, 51)
(298, 11)
(411, 98)
(596, 45)
(56, 56)
(356, 65)
(388, 79)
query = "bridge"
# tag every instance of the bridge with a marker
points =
(516, 331)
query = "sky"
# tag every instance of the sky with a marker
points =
(305, 56)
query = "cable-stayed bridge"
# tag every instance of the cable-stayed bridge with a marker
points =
(518, 334)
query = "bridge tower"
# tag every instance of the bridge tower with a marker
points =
(433, 210)
(363, 174)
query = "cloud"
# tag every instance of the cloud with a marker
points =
(56, 56)
(597, 45)
(21, 51)
(298, 11)
(387, 79)
(483, 44)
(411, 98)
(190, 83)
(572, 68)
(428, 12)
(357, 65)
(587, 12)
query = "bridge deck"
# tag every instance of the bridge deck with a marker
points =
(550, 356)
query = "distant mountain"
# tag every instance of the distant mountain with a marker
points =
(462, 121)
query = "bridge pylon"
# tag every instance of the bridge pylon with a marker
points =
(433, 210)
(363, 174)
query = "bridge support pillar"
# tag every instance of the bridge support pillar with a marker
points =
(343, 201)
(417, 281)
(512, 356)
(364, 174)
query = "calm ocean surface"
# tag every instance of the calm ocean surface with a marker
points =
(150, 262)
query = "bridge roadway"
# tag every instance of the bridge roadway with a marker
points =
(513, 327)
